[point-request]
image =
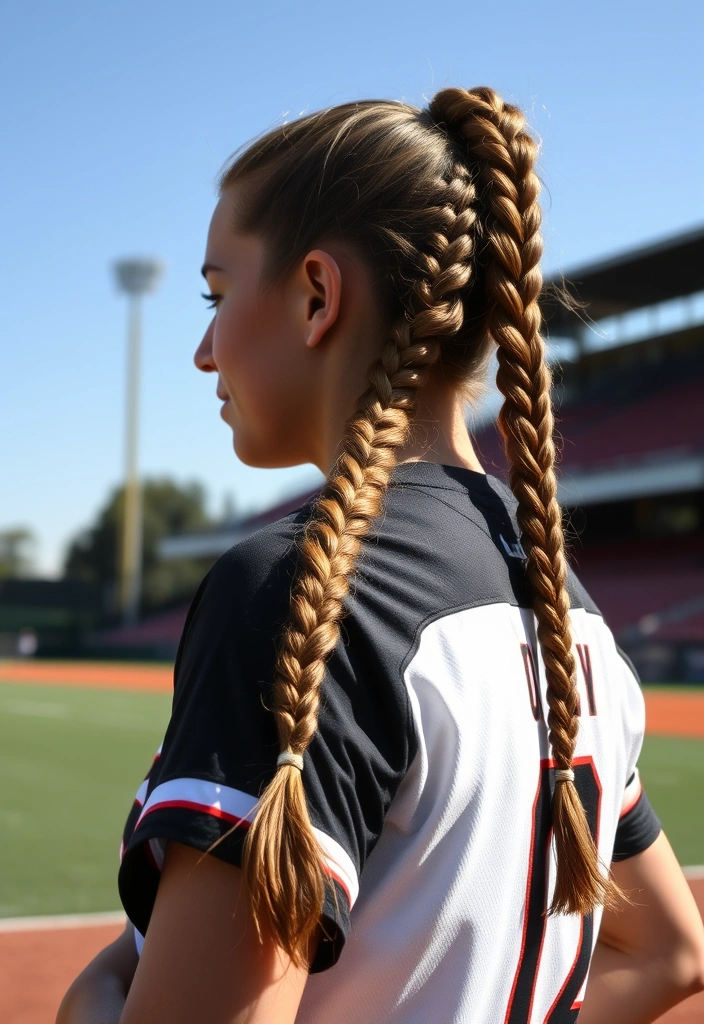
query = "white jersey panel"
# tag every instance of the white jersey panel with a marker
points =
(440, 924)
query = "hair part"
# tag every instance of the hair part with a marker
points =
(442, 206)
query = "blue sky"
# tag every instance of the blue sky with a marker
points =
(116, 118)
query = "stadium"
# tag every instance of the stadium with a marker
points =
(628, 363)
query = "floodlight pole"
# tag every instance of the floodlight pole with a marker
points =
(135, 277)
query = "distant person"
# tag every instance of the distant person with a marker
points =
(27, 643)
(401, 728)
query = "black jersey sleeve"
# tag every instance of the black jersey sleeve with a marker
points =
(638, 826)
(220, 747)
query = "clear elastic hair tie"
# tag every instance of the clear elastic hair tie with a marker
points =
(564, 775)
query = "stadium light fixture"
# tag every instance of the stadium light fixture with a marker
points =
(135, 277)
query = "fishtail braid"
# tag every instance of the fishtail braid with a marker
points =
(502, 154)
(282, 860)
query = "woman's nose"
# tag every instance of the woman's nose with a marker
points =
(203, 357)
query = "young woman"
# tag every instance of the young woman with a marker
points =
(403, 748)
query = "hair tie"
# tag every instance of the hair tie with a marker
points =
(564, 775)
(288, 757)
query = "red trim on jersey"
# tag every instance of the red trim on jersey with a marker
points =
(550, 762)
(548, 851)
(191, 805)
(217, 812)
(571, 970)
(328, 871)
(527, 896)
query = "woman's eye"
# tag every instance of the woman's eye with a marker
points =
(211, 299)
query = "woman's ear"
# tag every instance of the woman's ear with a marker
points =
(320, 281)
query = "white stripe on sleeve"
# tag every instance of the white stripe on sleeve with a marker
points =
(238, 807)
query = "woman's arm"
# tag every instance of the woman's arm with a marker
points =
(649, 956)
(98, 994)
(202, 960)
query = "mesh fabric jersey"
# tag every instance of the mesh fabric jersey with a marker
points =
(430, 776)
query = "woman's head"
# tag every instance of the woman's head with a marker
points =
(383, 190)
(290, 352)
(438, 209)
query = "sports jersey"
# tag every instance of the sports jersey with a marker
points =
(429, 778)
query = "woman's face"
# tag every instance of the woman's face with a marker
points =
(265, 377)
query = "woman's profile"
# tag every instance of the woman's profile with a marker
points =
(399, 784)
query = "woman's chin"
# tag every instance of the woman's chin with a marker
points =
(259, 458)
(249, 454)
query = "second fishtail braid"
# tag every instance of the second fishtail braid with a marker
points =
(281, 856)
(501, 154)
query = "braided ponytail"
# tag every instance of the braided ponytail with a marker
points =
(415, 200)
(503, 155)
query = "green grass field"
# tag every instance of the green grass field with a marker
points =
(72, 759)
(672, 770)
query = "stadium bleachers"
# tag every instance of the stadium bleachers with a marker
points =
(668, 421)
(626, 599)
(685, 631)
(637, 581)
(593, 435)
(158, 634)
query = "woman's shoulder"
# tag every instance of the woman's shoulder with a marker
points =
(248, 588)
(262, 560)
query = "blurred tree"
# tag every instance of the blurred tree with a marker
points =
(169, 508)
(229, 507)
(16, 554)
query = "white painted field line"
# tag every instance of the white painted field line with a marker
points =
(42, 924)
(694, 873)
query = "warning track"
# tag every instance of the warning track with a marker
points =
(93, 674)
(674, 714)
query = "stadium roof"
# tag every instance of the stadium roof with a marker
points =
(212, 542)
(668, 269)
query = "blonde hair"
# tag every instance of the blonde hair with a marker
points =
(442, 205)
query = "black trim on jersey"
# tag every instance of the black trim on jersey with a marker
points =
(630, 664)
(637, 830)
(135, 811)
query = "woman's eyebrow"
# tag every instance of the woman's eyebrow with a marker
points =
(207, 267)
